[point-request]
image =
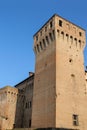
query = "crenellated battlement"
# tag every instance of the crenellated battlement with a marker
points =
(58, 28)
(72, 40)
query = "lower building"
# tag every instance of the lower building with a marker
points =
(8, 100)
(24, 102)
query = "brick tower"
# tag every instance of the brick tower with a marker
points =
(59, 97)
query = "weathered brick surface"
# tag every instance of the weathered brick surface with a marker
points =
(8, 100)
(59, 86)
(24, 103)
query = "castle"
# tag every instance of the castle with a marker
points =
(55, 96)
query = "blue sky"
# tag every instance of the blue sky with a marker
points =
(19, 20)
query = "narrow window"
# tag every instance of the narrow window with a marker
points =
(44, 43)
(13, 125)
(80, 34)
(38, 48)
(50, 35)
(47, 40)
(45, 29)
(29, 123)
(51, 24)
(41, 46)
(75, 120)
(60, 23)
(26, 105)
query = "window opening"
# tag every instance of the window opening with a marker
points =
(41, 46)
(38, 48)
(51, 36)
(60, 23)
(44, 43)
(51, 24)
(47, 39)
(75, 120)
(80, 34)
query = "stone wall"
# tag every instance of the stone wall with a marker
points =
(8, 100)
(59, 98)
(24, 103)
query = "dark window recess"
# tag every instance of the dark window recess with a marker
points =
(79, 41)
(29, 123)
(60, 23)
(26, 105)
(72, 75)
(51, 24)
(50, 35)
(38, 48)
(44, 43)
(75, 120)
(41, 46)
(45, 29)
(80, 34)
(13, 125)
(71, 37)
(47, 40)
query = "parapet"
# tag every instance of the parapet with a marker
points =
(9, 90)
(55, 28)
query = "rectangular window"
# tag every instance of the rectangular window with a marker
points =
(60, 23)
(51, 24)
(75, 120)
(45, 29)
(36, 38)
(80, 34)
(29, 123)
(26, 105)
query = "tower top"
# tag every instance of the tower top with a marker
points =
(56, 15)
